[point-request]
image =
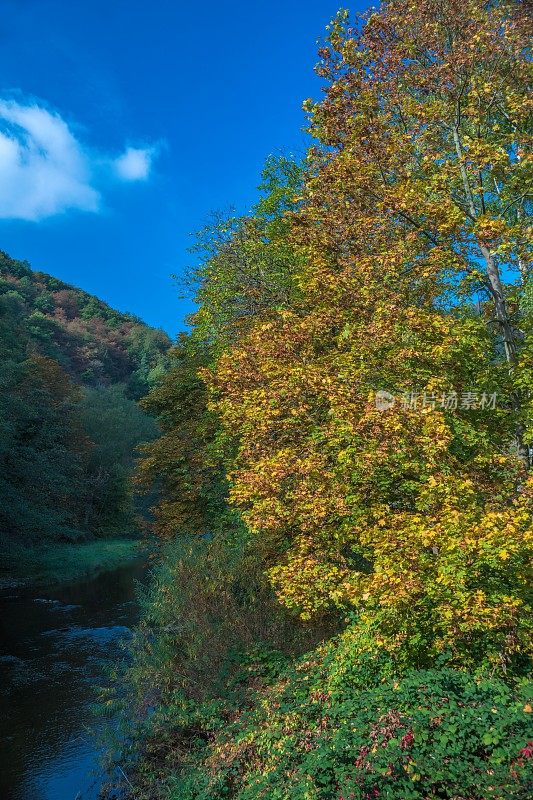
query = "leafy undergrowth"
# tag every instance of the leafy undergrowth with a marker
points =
(331, 727)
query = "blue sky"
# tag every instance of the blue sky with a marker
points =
(123, 123)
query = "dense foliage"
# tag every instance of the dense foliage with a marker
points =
(348, 431)
(71, 370)
(434, 733)
(94, 344)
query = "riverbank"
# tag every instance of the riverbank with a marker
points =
(64, 563)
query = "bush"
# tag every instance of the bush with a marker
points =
(211, 634)
(432, 734)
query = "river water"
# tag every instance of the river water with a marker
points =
(55, 648)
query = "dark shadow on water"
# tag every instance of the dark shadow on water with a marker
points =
(55, 649)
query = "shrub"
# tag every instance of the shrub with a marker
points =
(432, 734)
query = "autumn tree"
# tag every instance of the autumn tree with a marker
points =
(427, 125)
(245, 269)
(416, 203)
(183, 464)
(245, 264)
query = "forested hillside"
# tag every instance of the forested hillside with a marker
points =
(343, 605)
(94, 344)
(71, 371)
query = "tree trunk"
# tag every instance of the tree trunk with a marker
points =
(509, 343)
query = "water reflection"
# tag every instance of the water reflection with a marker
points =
(54, 650)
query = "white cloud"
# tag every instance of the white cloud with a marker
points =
(46, 170)
(135, 164)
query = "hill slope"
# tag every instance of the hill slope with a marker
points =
(71, 371)
(93, 343)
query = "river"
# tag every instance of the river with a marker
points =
(55, 648)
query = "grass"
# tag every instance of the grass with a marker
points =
(45, 565)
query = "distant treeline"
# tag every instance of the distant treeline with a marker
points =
(71, 371)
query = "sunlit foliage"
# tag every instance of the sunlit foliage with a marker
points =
(396, 267)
